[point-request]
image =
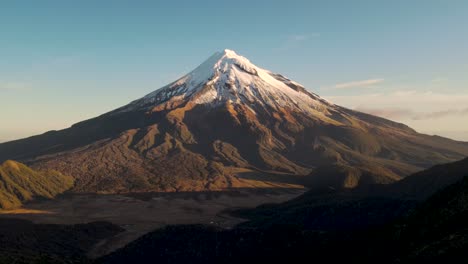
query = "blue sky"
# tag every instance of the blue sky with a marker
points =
(64, 61)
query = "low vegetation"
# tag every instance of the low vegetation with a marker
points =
(335, 229)
(332, 227)
(22, 241)
(19, 183)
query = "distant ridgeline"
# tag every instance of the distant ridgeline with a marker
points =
(19, 183)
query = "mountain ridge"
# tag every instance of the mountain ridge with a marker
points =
(19, 184)
(224, 125)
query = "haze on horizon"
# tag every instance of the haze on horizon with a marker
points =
(63, 62)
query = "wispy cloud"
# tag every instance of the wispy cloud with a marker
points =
(427, 111)
(390, 113)
(412, 98)
(403, 113)
(290, 42)
(359, 84)
(441, 114)
(438, 80)
(14, 86)
(407, 105)
(298, 37)
(302, 37)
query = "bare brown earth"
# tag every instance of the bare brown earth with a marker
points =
(150, 152)
(141, 213)
(172, 140)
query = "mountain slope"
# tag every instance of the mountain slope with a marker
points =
(425, 183)
(351, 209)
(227, 124)
(438, 231)
(435, 231)
(18, 183)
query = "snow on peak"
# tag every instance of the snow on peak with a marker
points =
(230, 53)
(227, 76)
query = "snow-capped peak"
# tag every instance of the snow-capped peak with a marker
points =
(231, 54)
(229, 77)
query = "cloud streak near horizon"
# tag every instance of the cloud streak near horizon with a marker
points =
(356, 84)
(425, 111)
(14, 86)
(397, 113)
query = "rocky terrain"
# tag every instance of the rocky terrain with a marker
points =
(231, 124)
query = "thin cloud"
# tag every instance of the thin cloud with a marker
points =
(390, 113)
(403, 113)
(438, 80)
(302, 37)
(422, 110)
(298, 37)
(291, 42)
(14, 86)
(360, 84)
(423, 104)
(441, 114)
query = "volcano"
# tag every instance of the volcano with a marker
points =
(231, 124)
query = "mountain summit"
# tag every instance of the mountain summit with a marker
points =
(229, 124)
(227, 77)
